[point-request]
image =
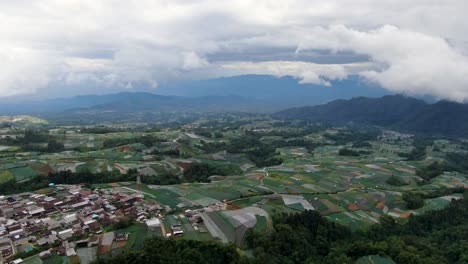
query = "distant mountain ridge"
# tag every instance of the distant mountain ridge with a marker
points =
(282, 91)
(152, 102)
(149, 107)
(391, 111)
(131, 101)
(265, 93)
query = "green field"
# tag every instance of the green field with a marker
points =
(6, 176)
(23, 173)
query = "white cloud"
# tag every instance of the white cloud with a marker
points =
(21, 70)
(193, 61)
(305, 72)
(126, 44)
(410, 62)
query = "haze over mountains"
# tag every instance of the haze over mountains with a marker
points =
(283, 91)
(247, 92)
(262, 94)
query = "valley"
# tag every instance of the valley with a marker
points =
(216, 178)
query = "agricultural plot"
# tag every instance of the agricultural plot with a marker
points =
(355, 219)
(273, 206)
(23, 173)
(33, 260)
(56, 259)
(297, 202)
(137, 235)
(213, 228)
(163, 196)
(262, 223)
(222, 223)
(87, 255)
(437, 203)
(6, 148)
(191, 233)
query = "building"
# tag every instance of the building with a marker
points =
(65, 234)
(121, 237)
(177, 230)
(153, 223)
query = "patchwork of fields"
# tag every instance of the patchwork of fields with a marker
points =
(352, 190)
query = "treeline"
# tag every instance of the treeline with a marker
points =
(196, 173)
(345, 136)
(348, 152)
(419, 149)
(434, 238)
(68, 177)
(30, 136)
(86, 177)
(167, 152)
(415, 200)
(35, 183)
(432, 170)
(64, 177)
(396, 181)
(201, 171)
(261, 152)
(158, 250)
(101, 130)
(458, 161)
(33, 140)
(208, 133)
(147, 140)
(453, 162)
(351, 152)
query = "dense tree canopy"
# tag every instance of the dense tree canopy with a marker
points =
(201, 171)
(159, 250)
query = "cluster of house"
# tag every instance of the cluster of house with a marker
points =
(55, 221)
(393, 135)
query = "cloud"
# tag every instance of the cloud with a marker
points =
(22, 71)
(52, 47)
(305, 72)
(408, 62)
(193, 61)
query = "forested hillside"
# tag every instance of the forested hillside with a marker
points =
(396, 112)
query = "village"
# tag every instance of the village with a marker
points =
(72, 217)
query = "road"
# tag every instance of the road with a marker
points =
(130, 189)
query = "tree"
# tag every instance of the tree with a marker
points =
(395, 181)
(432, 170)
(348, 152)
(413, 200)
(54, 145)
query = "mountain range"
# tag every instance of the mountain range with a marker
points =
(257, 93)
(283, 92)
(392, 111)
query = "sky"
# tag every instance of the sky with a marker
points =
(59, 48)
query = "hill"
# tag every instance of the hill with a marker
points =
(21, 119)
(392, 111)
